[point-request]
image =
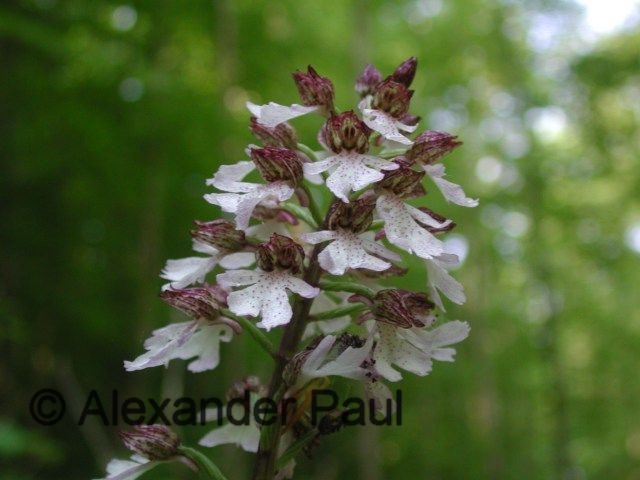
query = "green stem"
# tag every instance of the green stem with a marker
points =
(308, 152)
(340, 312)
(257, 334)
(313, 206)
(202, 461)
(376, 225)
(301, 212)
(347, 287)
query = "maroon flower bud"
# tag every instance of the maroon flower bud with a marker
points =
(405, 72)
(367, 81)
(277, 164)
(346, 132)
(314, 89)
(198, 302)
(154, 442)
(355, 216)
(431, 146)
(221, 234)
(404, 182)
(402, 308)
(392, 97)
(439, 218)
(282, 135)
(281, 253)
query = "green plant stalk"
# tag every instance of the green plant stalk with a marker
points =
(302, 213)
(257, 334)
(270, 434)
(202, 461)
(343, 286)
(308, 152)
(313, 207)
(339, 312)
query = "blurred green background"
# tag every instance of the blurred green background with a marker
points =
(113, 115)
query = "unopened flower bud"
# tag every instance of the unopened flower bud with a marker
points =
(367, 81)
(392, 97)
(404, 182)
(277, 164)
(281, 253)
(406, 71)
(402, 308)
(431, 146)
(282, 135)
(346, 132)
(154, 442)
(314, 89)
(356, 216)
(221, 234)
(198, 302)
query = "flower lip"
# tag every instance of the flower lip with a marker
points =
(446, 226)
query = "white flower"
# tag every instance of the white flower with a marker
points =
(353, 363)
(267, 295)
(273, 114)
(243, 197)
(414, 349)
(350, 171)
(440, 279)
(184, 341)
(451, 191)
(402, 230)
(129, 469)
(186, 271)
(383, 123)
(349, 250)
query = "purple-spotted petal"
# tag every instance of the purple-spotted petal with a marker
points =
(451, 191)
(402, 230)
(273, 114)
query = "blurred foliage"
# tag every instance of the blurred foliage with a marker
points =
(114, 115)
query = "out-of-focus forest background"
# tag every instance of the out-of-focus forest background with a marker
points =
(113, 115)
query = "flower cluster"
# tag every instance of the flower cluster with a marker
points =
(304, 241)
